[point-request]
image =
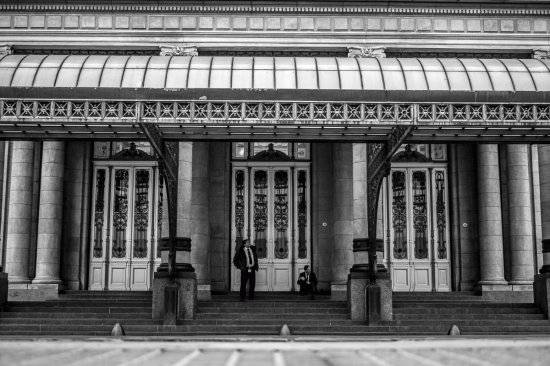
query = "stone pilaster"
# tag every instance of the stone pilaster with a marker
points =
(541, 285)
(200, 229)
(521, 219)
(342, 254)
(469, 251)
(75, 232)
(544, 176)
(48, 253)
(490, 218)
(19, 212)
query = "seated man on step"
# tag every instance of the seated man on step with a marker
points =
(308, 282)
(246, 260)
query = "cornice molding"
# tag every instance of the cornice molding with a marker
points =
(202, 9)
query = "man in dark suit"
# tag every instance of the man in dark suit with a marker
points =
(308, 282)
(246, 260)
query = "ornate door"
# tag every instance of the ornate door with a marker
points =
(123, 224)
(418, 230)
(271, 208)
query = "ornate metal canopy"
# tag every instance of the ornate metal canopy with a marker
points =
(274, 98)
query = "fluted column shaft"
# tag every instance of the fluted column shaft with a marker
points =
(50, 214)
(20, 212)
(520, 214)
(490, 216)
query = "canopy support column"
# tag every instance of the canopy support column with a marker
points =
(378, 167)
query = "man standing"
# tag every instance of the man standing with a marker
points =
(246, 260)
(308, 282)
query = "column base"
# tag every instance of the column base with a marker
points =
(338, 291)
(3, 289)
(46, 281)
(204, 292)
(357, 294)
(33, 292)
(541, 292)
(506, 293)
(187, 294)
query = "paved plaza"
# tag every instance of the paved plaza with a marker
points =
(275, 351)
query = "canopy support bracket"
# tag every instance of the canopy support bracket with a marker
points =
(378, 167)
(167, 153)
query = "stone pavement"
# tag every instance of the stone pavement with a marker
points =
(275, 351)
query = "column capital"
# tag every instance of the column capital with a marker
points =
(6, 49)
(541, 54)
(179, 50)
(366, 52)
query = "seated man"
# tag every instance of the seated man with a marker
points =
(308, 282)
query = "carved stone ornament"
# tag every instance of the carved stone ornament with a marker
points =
(6, 49)
(541, 54)
(366, 52)
(185, 50)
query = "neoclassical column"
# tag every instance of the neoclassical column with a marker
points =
(342, 253)
(18, 236)
(48, 246)
(491, 256)
(520, 214)
(544, 176)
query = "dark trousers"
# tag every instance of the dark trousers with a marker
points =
(249, 277)
(307, 289)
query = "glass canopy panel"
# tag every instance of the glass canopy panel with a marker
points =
(306, 73)
(349, 73)
(242, 73)
(456, 74)
(373, 78)
(199, 72)
(285, 73)
(435, 74)
(540, 73)
(69, 72)
(328, 73)
(177, 74)
(220, 76)
(263, 73)
(393, 74)
(478, 75)
(414, 74)
(156, 72)
(520, 75)
(47, 73)
(134, 73)
(91, 72)
(113, 71)
(8, 65)
(499, 75)
(24, 75)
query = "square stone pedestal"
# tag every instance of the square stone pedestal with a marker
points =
(358, 296)
(187, 294)
(541, 292)
(3, 289)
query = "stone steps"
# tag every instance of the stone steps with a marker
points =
(428, 314)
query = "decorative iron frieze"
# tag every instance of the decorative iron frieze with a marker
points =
(276, 113)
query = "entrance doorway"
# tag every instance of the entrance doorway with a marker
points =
(418, 232)
(124, 222)
(271, 207)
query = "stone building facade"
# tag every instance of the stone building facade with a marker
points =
(458, 211)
